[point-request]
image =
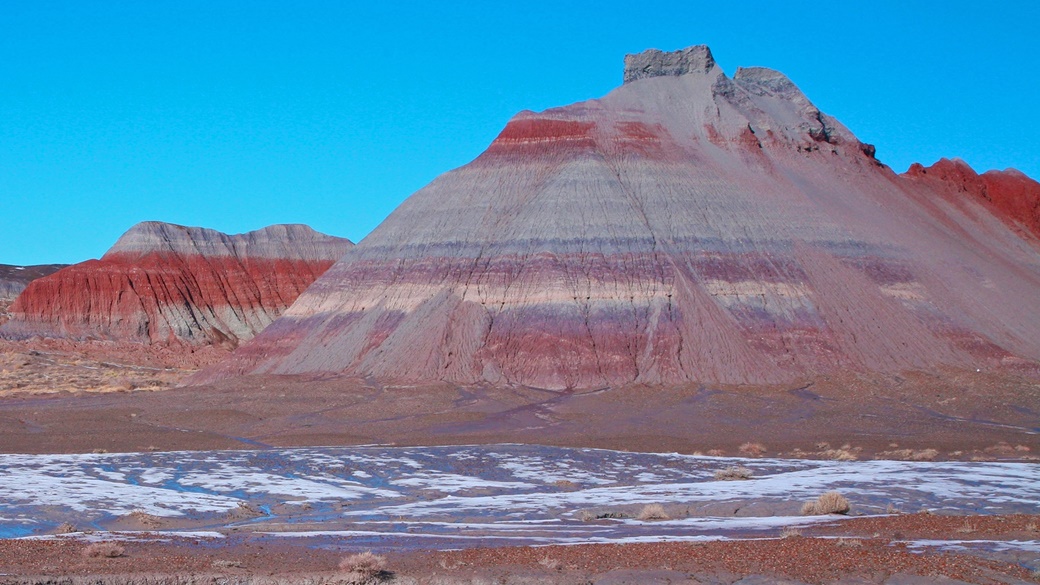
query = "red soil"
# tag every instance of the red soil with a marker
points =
(1012, 196)
(870, 559)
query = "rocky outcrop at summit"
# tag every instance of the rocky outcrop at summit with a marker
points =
(1010, 194)
(654, 63)
(165, 283)
(688, 227)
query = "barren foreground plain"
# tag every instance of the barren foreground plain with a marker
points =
(296, 473)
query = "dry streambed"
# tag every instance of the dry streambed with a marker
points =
(390, 498)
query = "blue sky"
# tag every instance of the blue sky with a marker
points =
(237, 115)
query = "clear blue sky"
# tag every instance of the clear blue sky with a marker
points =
(236, 115)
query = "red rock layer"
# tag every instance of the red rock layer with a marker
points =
(1012, 196)
(167, 295)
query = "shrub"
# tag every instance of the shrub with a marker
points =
(910, 454)
(549, 563)
(566, 485)
(924, 455)
(828, 503)
(145, 519)
(734, 473)
(652, 512)
(109, 550)
(364, 564)
(752, 449)
(842, 454)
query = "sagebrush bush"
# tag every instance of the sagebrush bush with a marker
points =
(734, 473)
(752, 449)
(652, 512)
(109, 550)
(366, 564)
(828, 503)
(842, 454)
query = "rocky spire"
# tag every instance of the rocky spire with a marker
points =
(655, 63)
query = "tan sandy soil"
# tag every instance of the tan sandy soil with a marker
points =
(48, 366)
(956, 415)
(863, 559)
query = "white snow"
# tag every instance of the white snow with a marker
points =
(968, 545)
(497, 492)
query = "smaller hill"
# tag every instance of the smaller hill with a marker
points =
(169, 284)
(14, 279)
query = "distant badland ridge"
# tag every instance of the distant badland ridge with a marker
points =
(166, 283)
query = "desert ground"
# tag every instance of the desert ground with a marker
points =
(866, 553)
(95, 418)
(63, 397)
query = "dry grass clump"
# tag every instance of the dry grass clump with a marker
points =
(226, 564)
(652, 512)
(790, 532)
(845, 453)
(145, 519)
(910, 454)
(550, 563)
(752, 449)
(828, 503)
(734, 473)
(966, 528)
(824, 451)
(848, 542)
(363, 566)
(106, 550)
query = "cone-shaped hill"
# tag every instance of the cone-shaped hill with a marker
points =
(686, 227)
